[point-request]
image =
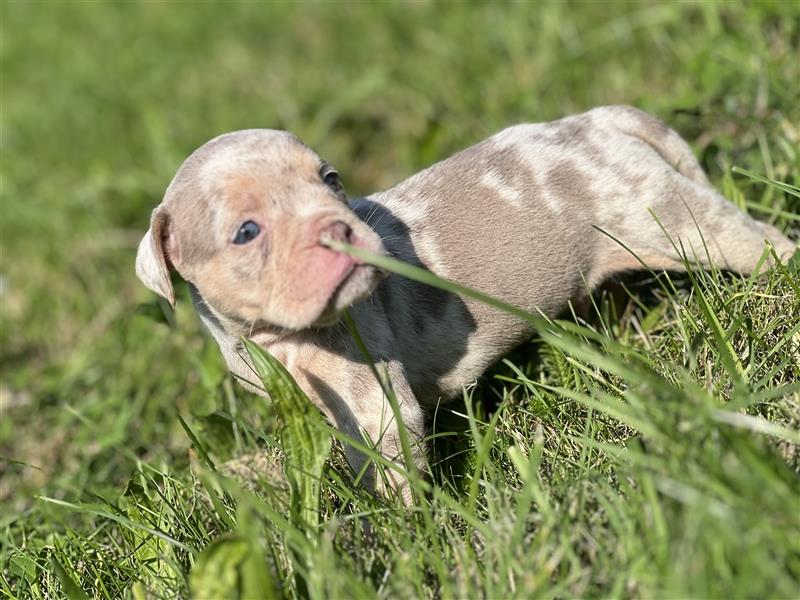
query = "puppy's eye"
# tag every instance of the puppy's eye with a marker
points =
(247, 232)
(331, 177)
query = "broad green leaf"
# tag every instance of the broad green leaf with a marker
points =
(24, 567)
(304, 434)
(216, 573)
(234, 565)
(71, 589)
(150, 549)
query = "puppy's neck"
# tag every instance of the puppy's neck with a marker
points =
(280, 343)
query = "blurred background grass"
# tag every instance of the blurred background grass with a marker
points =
(101, 102)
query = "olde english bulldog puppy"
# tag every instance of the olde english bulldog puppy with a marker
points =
(246, 219)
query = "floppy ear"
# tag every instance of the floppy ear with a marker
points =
(151, 259)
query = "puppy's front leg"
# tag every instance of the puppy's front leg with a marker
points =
(345, 388)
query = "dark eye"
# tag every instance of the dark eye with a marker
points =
(247, 232)
(331, 177)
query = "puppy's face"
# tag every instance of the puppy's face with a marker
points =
(245, 220)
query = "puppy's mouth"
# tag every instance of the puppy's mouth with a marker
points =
(357, 283)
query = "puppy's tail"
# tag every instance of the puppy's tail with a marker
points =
(658, 135)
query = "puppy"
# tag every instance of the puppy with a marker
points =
(527, 216)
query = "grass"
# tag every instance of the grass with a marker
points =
(649, 449)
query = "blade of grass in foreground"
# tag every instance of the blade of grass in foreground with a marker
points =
(101, 511)
(784, 187)
(422, 276)
(566, 338)
(388, 391)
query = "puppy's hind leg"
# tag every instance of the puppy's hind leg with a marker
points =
(693, 219)
(651, 130)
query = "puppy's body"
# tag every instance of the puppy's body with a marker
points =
(527, 216)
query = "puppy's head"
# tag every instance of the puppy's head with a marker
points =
(245, 221)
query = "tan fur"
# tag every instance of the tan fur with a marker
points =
(527, 216)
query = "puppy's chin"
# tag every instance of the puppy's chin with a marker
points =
(357, 286)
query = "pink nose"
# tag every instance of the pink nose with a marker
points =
(338, 231)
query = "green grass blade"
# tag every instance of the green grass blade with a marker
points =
(784, 187)
(102, 512)
(423, 276)
(386, 386)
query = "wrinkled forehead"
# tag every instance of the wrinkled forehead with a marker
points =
(263, 155)
(255, 154)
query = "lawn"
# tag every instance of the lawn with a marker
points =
(651, 449)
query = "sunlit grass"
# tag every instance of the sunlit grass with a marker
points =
(646, 448)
